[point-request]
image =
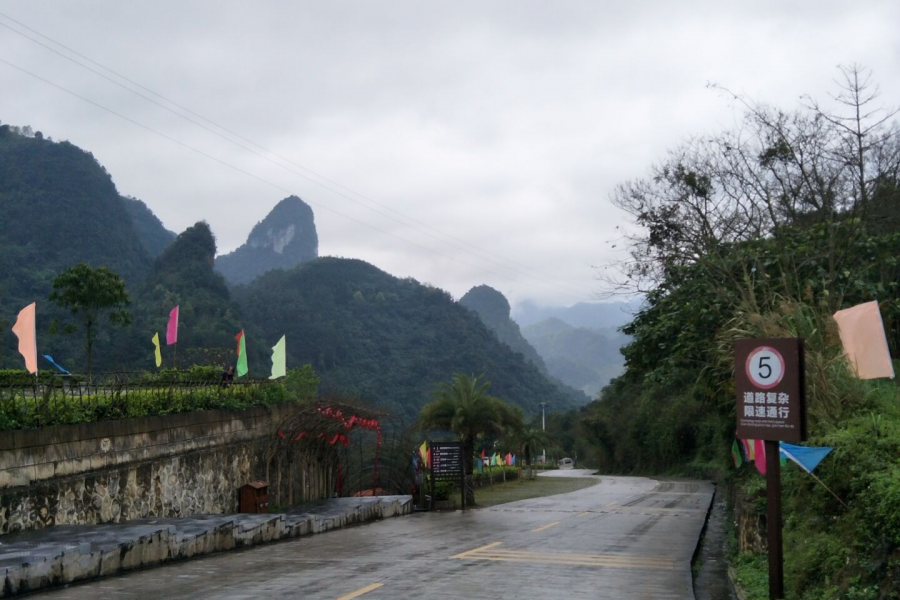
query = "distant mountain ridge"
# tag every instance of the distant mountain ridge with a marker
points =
(592, 315)
(285, 238)
(586, 359)
(493, 309)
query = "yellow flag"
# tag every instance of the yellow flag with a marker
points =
(158, 353)
(423, 452)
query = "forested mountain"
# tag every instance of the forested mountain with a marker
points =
(586, 359)
(385, 339)
(208, 319)
(493, 309)
(152, 233)
(58, 207)
(388, 340)
(285, 238)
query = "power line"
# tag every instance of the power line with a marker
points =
(416, 224)
(254, 176)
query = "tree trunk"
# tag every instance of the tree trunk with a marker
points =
(469, 479)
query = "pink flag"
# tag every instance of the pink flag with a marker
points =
(760, 456)
(172, 328)
(26, 331)
(862, 333)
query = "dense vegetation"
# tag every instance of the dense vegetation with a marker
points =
(766, 231)
(385, 339)
(145, 395)
(153, 235)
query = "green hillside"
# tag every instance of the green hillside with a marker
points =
(385, 339)
(58, 207)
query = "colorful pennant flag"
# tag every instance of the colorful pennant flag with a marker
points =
(241, 354)
(279, 359)
(759, 456)
(808, 457)
(26, 331)
(865, 344)
(172, 328)
(736, 454)
(157, 352)
(423, 452)
(50, 360)
(479, 466)
(482, 456)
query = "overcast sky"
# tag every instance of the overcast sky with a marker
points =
(503, 124)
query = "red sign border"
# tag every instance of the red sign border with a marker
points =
(750, 377)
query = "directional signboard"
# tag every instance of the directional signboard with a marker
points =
(446, 461)
(768, 379)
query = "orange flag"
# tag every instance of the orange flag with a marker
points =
(862, 333)
(26, 331)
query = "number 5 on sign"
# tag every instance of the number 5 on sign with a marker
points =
(765, 367)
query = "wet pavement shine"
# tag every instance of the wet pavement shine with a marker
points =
(628, 537)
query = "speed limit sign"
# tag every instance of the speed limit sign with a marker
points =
(769, 381)
(765, 367)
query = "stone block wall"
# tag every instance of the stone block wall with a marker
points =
(169, 466)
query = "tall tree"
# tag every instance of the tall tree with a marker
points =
(88, 293)
(465, 408)
(528, 440)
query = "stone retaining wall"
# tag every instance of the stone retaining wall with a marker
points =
(165, 466)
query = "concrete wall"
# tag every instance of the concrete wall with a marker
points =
(168, 466)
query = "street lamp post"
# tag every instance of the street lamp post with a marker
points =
(544, 428)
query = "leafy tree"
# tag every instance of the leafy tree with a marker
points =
(88, 293)
(465, 408)
(529, 439)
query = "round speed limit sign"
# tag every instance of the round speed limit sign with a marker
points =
(765, 367)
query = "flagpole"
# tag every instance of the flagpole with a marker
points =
(829, 489)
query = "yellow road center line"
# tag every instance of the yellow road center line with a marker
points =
(547, 526)
(566, 555)
(584, 563)
(574, 558)
(581, 514)
(470, 552)
(361, 591)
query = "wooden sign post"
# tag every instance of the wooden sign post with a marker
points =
(771, 406)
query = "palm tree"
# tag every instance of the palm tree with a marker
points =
(528, 439)
(465, 408)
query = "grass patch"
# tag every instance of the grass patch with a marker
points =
(511, 491)
(752, 575)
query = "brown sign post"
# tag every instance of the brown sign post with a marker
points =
(771, 406)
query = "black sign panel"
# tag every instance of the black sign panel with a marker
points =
(446, 461)
(769, 381)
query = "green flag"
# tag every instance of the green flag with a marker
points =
(736, 454)
(279, 359)
(241, 354)
(157, 353)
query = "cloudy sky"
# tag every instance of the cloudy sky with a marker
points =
(462, 142)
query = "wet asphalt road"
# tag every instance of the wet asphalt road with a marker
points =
(629, 537)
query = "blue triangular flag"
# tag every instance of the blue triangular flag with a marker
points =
(807, 457)
(53, 362)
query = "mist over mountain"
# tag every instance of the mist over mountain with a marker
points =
(493, 309)
(586, 359)
(592, 315)
(285, 238)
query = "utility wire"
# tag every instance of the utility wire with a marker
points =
(257, 177)
(416, 224)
